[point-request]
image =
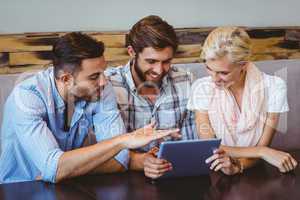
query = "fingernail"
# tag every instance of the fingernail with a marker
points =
(206, 161)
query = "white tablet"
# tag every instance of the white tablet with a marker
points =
(187, 156)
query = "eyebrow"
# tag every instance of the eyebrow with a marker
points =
(150, 59)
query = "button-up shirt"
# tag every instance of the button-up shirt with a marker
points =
(168, 111)
(33, 133)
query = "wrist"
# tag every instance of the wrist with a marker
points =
(137, 160)
(122, 141)
(261, 151)
(238, 166)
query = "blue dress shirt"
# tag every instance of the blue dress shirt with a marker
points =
(33, 132)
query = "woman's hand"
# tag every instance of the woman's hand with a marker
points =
(221, 161)
(282, 160)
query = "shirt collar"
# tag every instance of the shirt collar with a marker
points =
(58, 100)
(165, 80)
(128, 76)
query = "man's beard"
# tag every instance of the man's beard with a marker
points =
(87, 95)
(142, 76)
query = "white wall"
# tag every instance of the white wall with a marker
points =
(99, 15)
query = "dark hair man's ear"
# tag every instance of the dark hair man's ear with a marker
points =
(131, 51)
(66, 78)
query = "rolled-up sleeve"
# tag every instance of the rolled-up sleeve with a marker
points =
(35, 137)
(108, 122)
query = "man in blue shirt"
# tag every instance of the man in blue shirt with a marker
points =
(49, 117)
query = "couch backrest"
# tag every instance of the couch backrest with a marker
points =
(7, 83)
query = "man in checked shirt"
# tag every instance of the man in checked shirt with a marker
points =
(149, 89)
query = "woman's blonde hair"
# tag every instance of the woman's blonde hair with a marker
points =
(233, 42)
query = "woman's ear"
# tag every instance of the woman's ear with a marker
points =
(131, 51)
(244, 65)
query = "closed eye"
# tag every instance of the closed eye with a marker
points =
(208, 68)
(167, 61)
(94, 76)
(224, 73)
(151, 61)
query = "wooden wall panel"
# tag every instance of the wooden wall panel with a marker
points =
(31, 51)
(111, 55)
(24, 43)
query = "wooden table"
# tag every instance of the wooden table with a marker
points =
(261, 182)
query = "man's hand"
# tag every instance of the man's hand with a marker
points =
(145, 135)
(154, 167)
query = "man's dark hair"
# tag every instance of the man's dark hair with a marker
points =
(70, 49)
(154, 32)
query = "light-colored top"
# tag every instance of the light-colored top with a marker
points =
(33, 133)
(169, 109)
(262, 94)
(275, 90)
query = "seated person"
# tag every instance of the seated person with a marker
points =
(149, 89)
(47, 119)
(238, 104)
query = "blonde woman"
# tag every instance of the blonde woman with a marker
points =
(238, 104)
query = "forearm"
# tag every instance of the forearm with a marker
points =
(137, 161)
(109, 166)
(203, 126)
(81, 161)
(243, 152)
(205, 131)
